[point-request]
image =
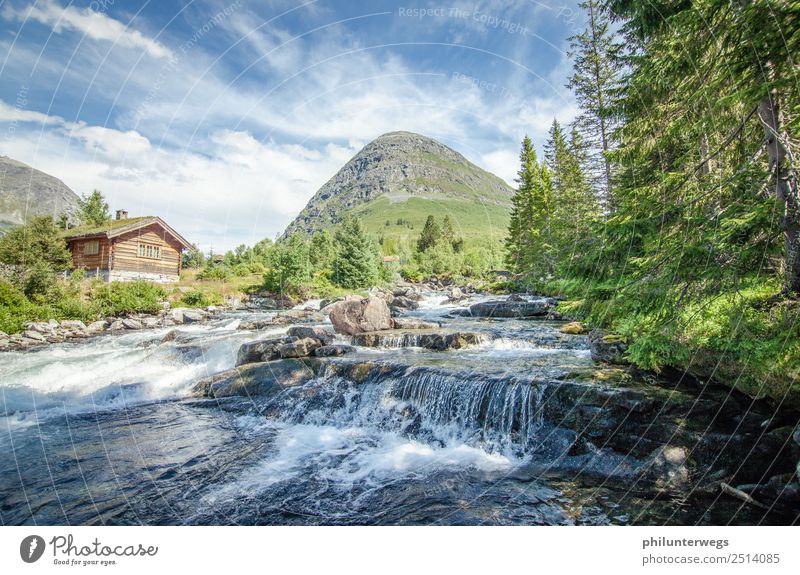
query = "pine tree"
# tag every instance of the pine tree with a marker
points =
(94, 209)
(430, 236)
(596, 63)
(529, 247)
(323, 250)
(357, 262)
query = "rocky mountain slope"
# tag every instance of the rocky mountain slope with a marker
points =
(26, 192)
(395, 181)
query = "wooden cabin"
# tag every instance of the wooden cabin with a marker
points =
(127, 249)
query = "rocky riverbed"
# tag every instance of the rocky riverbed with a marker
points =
(407, 407)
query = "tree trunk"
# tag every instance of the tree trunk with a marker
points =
(785, 182)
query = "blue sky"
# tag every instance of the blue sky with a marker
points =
(224, 117)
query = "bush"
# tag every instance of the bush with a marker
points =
(197, 298)
(214, 273)
(120, 298)
(14, 308)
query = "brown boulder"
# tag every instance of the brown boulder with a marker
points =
(359, 316)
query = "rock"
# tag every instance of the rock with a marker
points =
(33, 335)
(403, 303)
(73, 324)
(129, 323)
(332, 350)
(170, 336)
(176, 315)
(258, 379)
(607, 348)
(98, 326)
(573, 328)
(413, 323)
(434, 340)
(193, 315)
(39, 327)
(513, 309)
(256, 325)
(52, 323)
(150, 322)
(359, 316)
(325, 337)
(116, 325)
(515, 297)
(260, 350)
(299, 347)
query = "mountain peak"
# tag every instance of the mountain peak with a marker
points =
(398, 168)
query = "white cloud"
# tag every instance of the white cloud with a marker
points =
(95, 25)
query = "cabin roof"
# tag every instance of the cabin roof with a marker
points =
(115, 228)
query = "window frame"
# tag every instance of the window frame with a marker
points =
(91, 248)
(148, 251)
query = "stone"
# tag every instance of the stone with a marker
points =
(333, 350)
(258, 379)
(299, 348)
(129, 323)
(413, 323)
(433, 340)
(607, 348)
(402, 303)
(193, 316)
(98, 326)
(33, 335)
(324, 336)
(170, 336)
(511, 308)
(176, 315)
(116, 325)
(73, 324)
(359, 316)
(573, 328)
(260, 350)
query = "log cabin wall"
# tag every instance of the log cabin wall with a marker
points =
(126, 252)
(91, 254)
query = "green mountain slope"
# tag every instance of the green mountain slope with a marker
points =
(397, 180)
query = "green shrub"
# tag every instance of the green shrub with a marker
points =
(120, 298)
(214, 273)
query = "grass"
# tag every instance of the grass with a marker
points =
(470, 220)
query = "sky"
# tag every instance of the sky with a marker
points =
(225, 117)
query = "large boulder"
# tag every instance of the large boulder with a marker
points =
(413, 323)
(359, 316)
(261, 350)
(258, 379)
(512, 309)
(607, 348)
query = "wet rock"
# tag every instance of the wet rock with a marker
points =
(299, 347)
(573, 328)
(258, 379)
(607, 348)
(511, 309)
(668, 469)
(261, 350)
(358, 316)
(333, 350)
(324, 336)
(256, 325)
(129, 323)
(403, 303)
(433, 340)
(454, 295)
(170, 336)
(193, 315)
(116, 325)
(413, 323)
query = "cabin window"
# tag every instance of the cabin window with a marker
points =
(150, 251)
(91, 248)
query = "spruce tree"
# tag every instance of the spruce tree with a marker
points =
(430, 236)
(596, 54)
(357, 262)
(94, 209)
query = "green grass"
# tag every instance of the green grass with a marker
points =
(471, 220)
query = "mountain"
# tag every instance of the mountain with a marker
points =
(397, 180)
(26, 192)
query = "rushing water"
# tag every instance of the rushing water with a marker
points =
(105, 431)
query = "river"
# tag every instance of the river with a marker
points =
(107, 431)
